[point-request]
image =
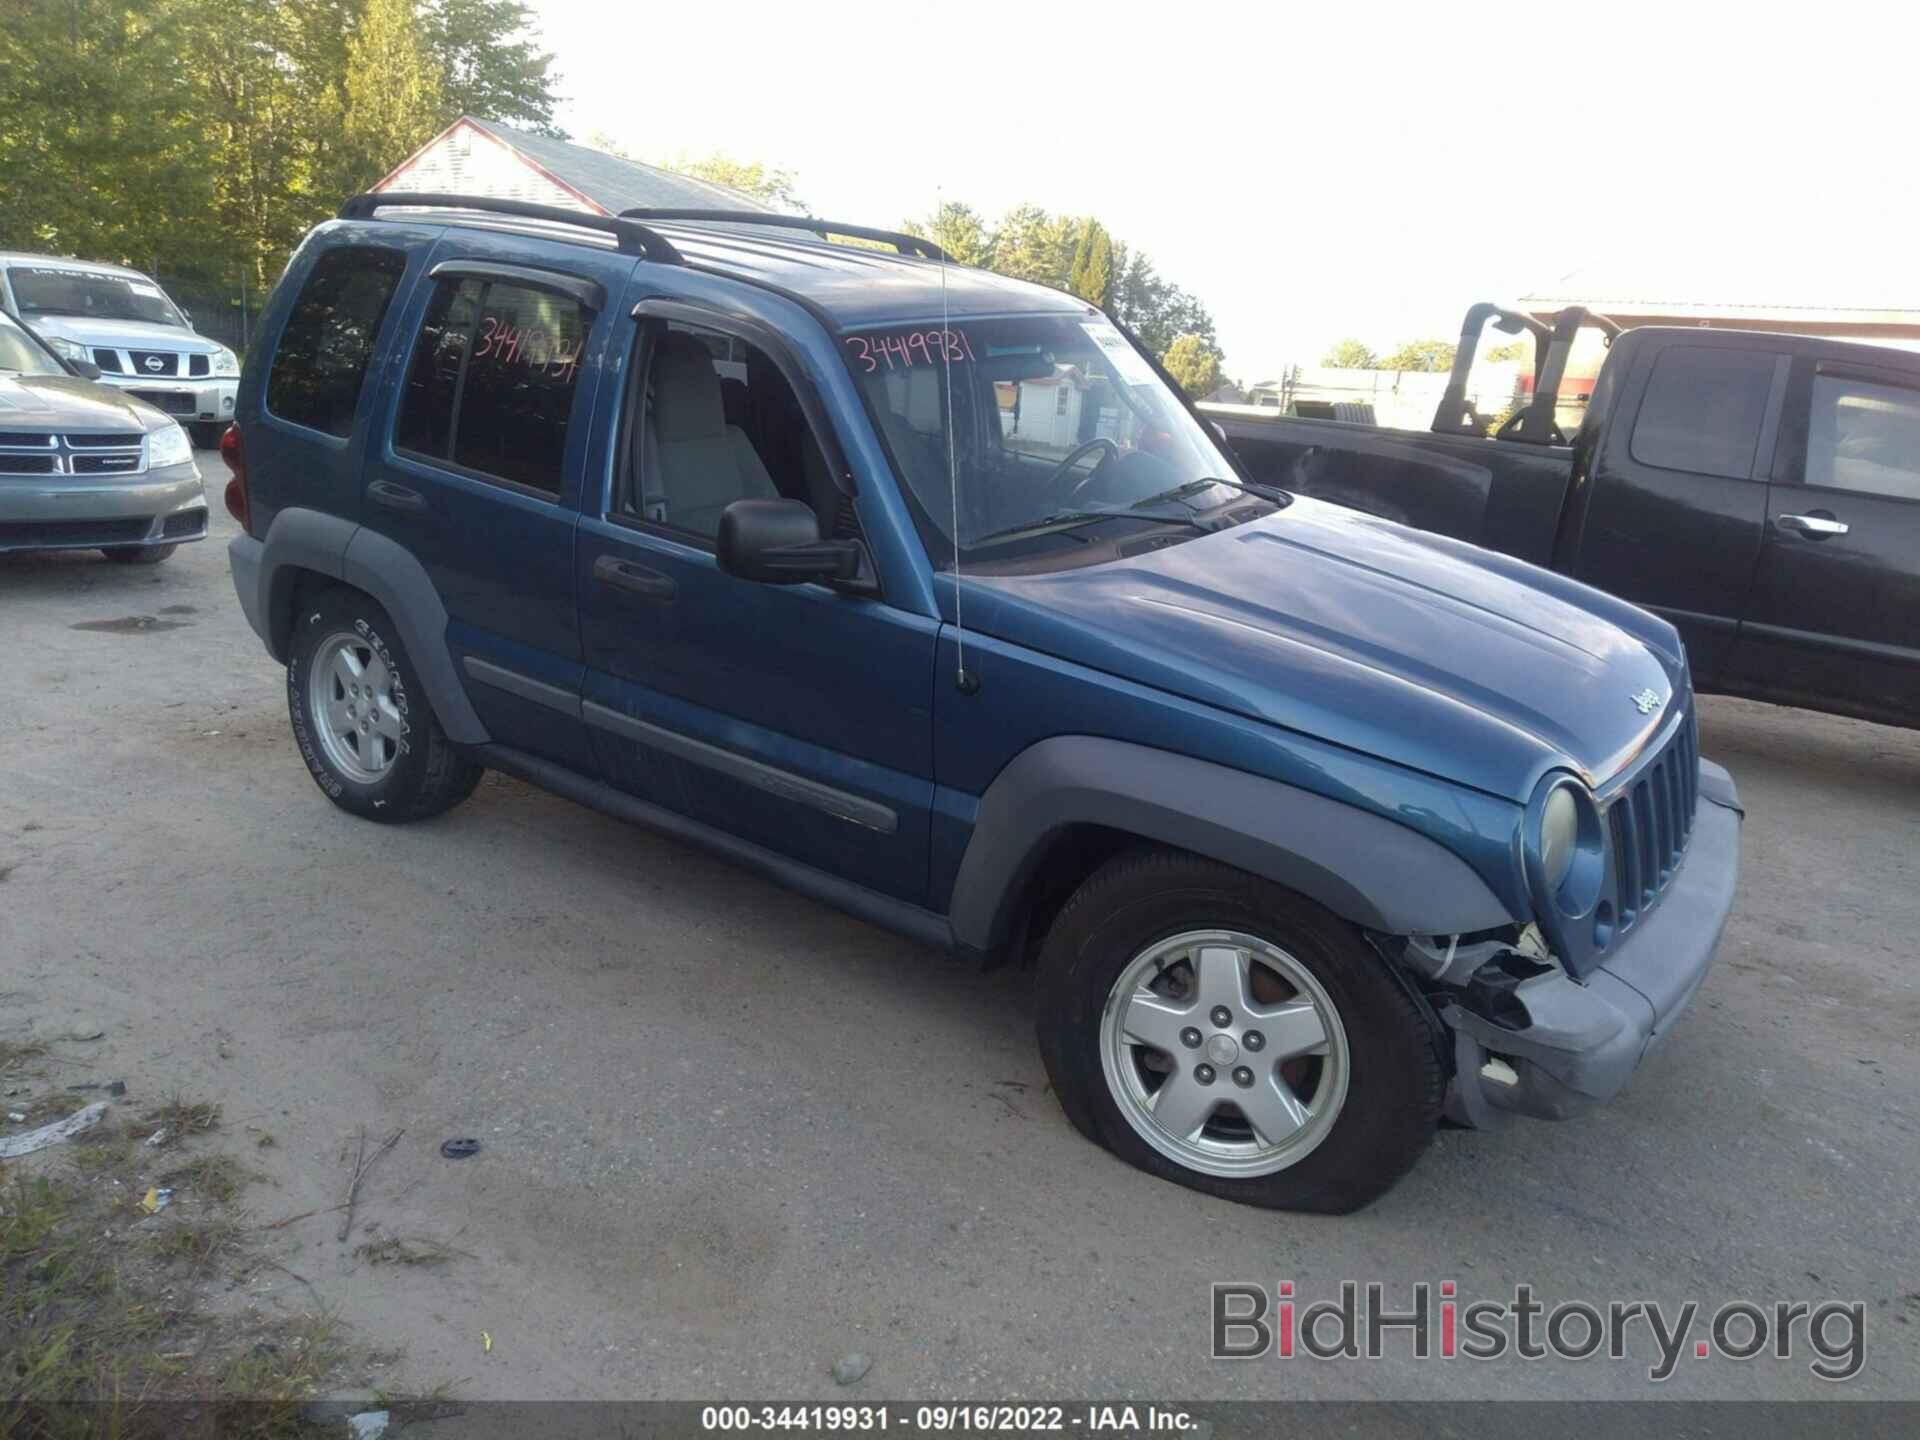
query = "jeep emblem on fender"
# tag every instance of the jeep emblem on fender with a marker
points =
(1648, 702)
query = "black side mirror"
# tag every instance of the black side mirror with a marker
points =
(85, 369)
(777, 542)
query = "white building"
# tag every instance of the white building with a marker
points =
(484, 157)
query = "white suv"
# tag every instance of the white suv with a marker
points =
(121, 323)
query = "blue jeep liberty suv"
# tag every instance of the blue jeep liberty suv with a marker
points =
(922, 591)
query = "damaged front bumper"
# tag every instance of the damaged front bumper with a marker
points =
(1554, 1044)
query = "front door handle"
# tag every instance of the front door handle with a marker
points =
(635, 579)
(390, 496)
(1815, 525)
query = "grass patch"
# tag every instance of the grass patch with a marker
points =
(397, 1250)
(100, 1150)
(101, 1332)
(15, 1053)
(177, 1120)
(272, 1379)
(213, 1177)
(198, 1241)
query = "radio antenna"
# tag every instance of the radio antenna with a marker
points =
(963, 682)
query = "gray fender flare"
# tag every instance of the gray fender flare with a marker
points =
(1372, 871)
(302, 539)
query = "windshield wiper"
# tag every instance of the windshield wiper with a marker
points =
(1060, 519)
(1194, 487)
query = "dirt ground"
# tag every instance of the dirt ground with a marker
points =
(730, 1135)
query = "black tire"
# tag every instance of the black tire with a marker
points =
(1395, 1083)
(206, 434)
(429, 775)
(139, 554)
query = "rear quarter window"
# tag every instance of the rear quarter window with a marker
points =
(491, 384)
(321, 362)
(1703, 409)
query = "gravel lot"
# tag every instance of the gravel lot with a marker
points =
(730, 1135)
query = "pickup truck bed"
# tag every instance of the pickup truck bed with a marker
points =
(1504, 496)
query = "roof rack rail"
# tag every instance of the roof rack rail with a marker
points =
(633, 237)
(905, 244)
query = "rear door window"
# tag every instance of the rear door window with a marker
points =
(491, 385)
(322, 359)
(1864, 437)
(1703, 409)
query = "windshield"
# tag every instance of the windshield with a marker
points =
(20, 355)
(54, 290)
(1065, 443)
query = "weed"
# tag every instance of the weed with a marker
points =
(177, 1120)
(198, 1241)
(15, 1053)
(397, 1250)
(213, 1177)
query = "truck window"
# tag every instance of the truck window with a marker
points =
(1702, 410)
(1864, 437)
(492, 380)
(323, 353)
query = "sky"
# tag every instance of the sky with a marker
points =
(1309, 173)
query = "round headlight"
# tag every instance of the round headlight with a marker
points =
(1559, 834)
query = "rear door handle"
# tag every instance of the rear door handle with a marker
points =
(396, 497)
(635, 579)
(1814, 525)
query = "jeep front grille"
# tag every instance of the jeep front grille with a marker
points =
(1651, 819)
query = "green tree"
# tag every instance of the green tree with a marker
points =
(491, 64)
(1193, 361)
(1091, 274)
(101, 152)
(1433, 356)
(392, 93)
(771, 187)
(957, 229)
(1350, 354)
(1030, 244)
(1515, 350)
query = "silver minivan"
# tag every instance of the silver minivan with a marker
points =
(121, 322)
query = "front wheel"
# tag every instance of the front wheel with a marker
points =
(1227, 1034)
(363, 725)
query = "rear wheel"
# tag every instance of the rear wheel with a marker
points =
(363, 725)
(1225, 1033)
(139, 554)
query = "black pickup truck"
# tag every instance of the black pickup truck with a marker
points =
(1760, 491)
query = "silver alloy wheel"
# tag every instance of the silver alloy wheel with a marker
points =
(350, 703)
(1194, 1039)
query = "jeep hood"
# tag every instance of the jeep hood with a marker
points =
(1467, 665)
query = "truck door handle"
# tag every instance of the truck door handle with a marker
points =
(636, 579)
(1814, 525)
(390, 496)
